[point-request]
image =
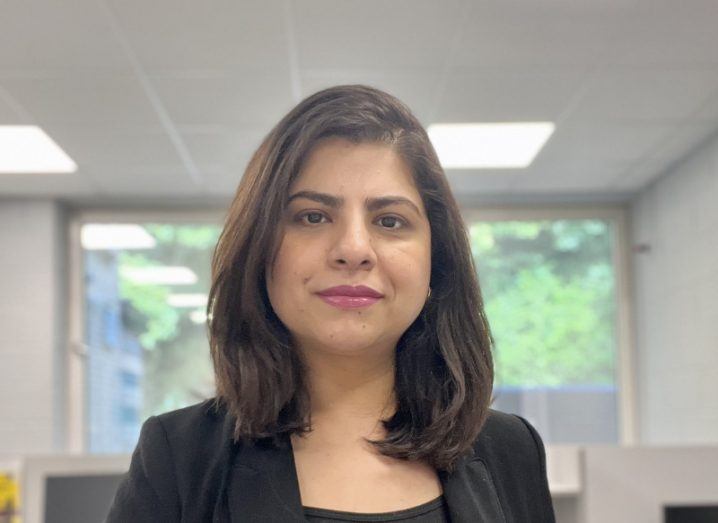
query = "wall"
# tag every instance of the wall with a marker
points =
(32, 327)
(676, 302)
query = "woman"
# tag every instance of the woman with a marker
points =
(351, 351)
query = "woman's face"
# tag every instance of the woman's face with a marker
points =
(354, 219)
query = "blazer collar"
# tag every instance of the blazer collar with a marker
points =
(470, 492)
(262, 485)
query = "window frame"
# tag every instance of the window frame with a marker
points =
(617, 215)
(76, 353)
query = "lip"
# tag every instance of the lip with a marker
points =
(348, 297)
(359, 291)
(349, 302)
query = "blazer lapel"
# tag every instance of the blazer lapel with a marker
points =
(263, 485)
(470, 493)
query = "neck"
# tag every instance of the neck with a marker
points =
(350, 388)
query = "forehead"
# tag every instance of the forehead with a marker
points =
(339, 165)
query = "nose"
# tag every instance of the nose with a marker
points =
(353, 247)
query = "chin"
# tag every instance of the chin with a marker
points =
(351, 341)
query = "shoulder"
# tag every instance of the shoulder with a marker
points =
(509, 441)
(512, 450)
(203, 416)
(178, 453)
(195, 434)
(200, 428)
(502, 432)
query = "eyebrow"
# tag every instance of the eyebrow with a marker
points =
(372, 204)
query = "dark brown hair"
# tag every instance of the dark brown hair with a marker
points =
(444, 369)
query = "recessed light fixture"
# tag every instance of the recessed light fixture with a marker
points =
(115, 236)
(489, 145)
(160, 275)
(187, 300)
(28, 149)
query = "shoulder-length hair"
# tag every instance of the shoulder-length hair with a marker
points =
(444, 369)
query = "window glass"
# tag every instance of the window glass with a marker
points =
(548, 288)
(146, 291)
(549, 293)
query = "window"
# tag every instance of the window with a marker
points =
(145, 294)
(549, 289)
(551, 285)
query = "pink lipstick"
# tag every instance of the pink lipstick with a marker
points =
(348, 297)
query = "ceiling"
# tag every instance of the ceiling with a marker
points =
(164, 100)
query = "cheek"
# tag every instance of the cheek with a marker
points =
(411, 267)
(292, 270)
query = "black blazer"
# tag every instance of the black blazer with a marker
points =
(186, 468)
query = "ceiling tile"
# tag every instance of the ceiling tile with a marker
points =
(645, 94)
(65, 184)
(147, 180)
(356, 35)
(230, 148)
(83, 98)
(9, 113)
(56, 36)
(210, 35)
(571, 178)
(584, 143)
(253, 97)
(472, 182)
(511, 96)
(95, 147)
(416, 88)
(668, 35)
(504, 34)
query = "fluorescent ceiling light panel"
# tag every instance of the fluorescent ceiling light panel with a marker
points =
(489, 145)
(115, 236)
(187, 300)
(28, 149)
(162, 275)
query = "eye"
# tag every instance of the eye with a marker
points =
(392, 222)
(312, 217)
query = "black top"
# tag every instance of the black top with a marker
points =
(186, 468)
(434, 511)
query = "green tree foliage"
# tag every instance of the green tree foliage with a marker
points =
(176, 355)
(548, 291)
(548, 288)
(150, 301)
